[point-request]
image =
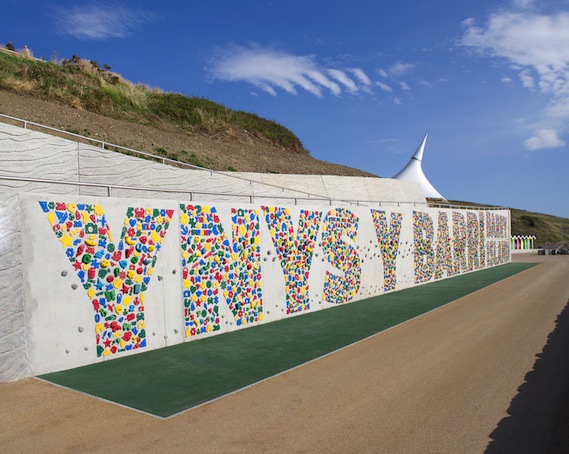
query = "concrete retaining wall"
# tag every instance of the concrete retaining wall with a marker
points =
(85, 278)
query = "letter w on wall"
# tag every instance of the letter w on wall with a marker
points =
(214, 265)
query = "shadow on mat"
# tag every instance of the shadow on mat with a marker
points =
(539, 414)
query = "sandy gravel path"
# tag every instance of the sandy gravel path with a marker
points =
(444, 382)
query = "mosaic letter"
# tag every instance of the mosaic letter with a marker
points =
(443, 259)
(114, 276)
(214, 266)
(472, 227)
(338, 288)
(388, 238)
(482, 240)
(459, 242)
(423, 233)
(294, 252)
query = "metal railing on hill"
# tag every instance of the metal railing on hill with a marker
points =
(296, 196)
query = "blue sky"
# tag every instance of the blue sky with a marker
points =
(359, 82)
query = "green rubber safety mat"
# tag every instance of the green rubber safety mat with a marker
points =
(170, 380)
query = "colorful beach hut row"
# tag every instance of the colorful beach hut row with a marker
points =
(522, 242)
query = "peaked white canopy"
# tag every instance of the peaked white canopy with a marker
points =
(413, 172)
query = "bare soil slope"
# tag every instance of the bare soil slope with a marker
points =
(244, 153)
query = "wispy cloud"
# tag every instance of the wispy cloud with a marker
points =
(400, 69)
(544, 138)
(100, 21)
(383, 86)
(537, 47)
(271, 70)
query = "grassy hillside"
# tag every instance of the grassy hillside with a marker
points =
(84, 84)
(546, 228)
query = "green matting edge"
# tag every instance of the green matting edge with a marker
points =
(169, 380)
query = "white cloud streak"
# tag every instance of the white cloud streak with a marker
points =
(537, 47)
(544, 138)
(383, 86)
(271, 70)
(400, 69)
(100, 21)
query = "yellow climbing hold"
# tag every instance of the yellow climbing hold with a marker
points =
(117, 283)
(91, 240)
(98, 210)
(66, 240)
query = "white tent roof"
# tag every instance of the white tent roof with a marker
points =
(413, 172)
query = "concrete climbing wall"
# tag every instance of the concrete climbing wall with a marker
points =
(108, 277)
(85, 277)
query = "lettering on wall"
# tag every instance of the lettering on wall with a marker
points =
(341, 224)
(423, 238)
(443, 253)
(459, 242)
(497, 238)
(295, 251)
(471, 246)
(473, 241)
(215, 265)
(482, 238)
(221, 279)
(115, 276)
(388, 234)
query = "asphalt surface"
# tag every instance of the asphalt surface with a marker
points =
(486, 373)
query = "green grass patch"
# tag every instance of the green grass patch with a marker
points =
(167, 381)
(84, 84)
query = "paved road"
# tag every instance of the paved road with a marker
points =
(488, 372)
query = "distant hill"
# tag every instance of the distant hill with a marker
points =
(80, 96)
(546, 228)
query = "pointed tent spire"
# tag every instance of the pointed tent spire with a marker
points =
(413, 172)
